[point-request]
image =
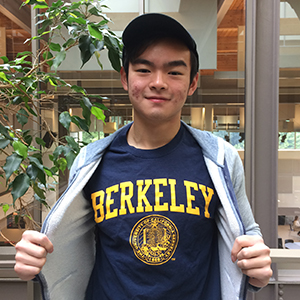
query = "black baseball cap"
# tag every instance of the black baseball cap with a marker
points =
(152, 25)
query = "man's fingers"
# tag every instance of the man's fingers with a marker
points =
(31, 253)
(26, 272)
(243, 241)
(27, 267)
(253, 258)
(257, 250)
(39, 239)
(254, 262)
(259, 276)
(29, 259)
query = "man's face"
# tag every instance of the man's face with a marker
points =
(158, 82)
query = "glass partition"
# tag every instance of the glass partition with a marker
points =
(13, 33)
(217, 105)
(219, 30)
(289, 123)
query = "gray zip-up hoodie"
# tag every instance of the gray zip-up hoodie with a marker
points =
(70, 224)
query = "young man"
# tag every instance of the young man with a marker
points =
(172, 217)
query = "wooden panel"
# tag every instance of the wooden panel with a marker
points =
(22, 16)
(228, 44)
(227, 62)
(207, 72)
(238, 5)
(233, 19)
(2, 43)
(228, 48)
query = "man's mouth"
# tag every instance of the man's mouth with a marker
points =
(157, 98)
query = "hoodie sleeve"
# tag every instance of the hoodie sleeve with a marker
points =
(237, 175)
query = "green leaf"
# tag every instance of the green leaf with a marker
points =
(31, 148)
(57, 4)
(59, 58)
(69, 42)
(113, 51)
(5, 59)
(97, 54)
(55, 47)
(48, 172)
(31, 2)
(70, 157)
(42, 177)
(5, 208)
(39, 191)
(75, 5)
(85, 42)
(36, 162)
(96, 12)
(4, 143)
(12, 164)
(87, 102)
(86, 112)
(30, 109)
(4, 132)
(22, 116)
(20, 60)
(32, 172)
(78, 89)
(80, 21)
(28, 140)
(100, 105)
(58, 151)
(5, 67)
(36, 170)
(94, 31)
(41, 6)
(72, 143)
(29, 82)
(24, 53)
(99, 45)
(81, 123)
(20, 149)
(30, 218)
(40, 141)
(20, 186)
(62, 163)
(52, 82)
(17, 100)
(65, 119)
(27, 137)
(114, 58)
(4, 78)
(72, 29)
(98, 113)
(48, 55)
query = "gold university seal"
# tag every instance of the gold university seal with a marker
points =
(154, 239)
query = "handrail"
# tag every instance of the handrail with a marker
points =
(282, 256)
(288, 265)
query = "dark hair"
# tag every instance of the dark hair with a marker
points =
(130, 54)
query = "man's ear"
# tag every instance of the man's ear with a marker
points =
(124, 79)
(193, 85)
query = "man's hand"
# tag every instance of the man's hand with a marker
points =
(253, 258)
(31, 254)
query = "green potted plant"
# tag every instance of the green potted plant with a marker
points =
(23, 86)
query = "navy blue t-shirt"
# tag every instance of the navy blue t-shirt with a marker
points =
(155, 228)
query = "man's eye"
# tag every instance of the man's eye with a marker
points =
(143, 71)
(175, 73)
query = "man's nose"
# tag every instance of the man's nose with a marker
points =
(158, 81)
